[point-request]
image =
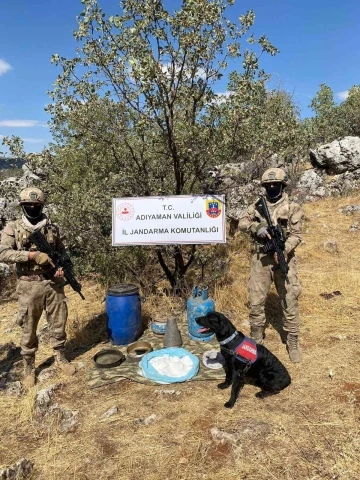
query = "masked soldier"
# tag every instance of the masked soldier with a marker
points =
(39, 286)
(264, 266)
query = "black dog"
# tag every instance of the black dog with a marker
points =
(263, 368)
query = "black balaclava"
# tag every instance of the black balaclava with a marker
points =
(33, 212)
(274, 191)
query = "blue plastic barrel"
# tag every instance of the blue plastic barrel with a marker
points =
(123, 310)
(197, 306)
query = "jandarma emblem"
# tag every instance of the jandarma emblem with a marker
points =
(213, 209)
(125, 211)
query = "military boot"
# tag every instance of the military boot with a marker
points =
(257, 334)
(29, 371)
(63, 364)
(292, 344)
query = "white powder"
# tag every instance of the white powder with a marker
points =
(172, 366)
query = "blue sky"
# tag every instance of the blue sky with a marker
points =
(318, 42)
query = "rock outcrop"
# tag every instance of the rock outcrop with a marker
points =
(337, 157)
(336, 170)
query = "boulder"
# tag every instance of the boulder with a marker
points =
(336, 170)
(338, 156)
(311, 183)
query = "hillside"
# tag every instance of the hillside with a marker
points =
(6, 164)
(309, 431)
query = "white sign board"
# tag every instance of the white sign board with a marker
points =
(178, 219)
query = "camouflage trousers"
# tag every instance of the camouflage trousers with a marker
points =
(34, 297)
(261, 277)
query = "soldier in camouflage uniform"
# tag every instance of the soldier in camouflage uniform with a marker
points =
(288, 215)
(39, 287)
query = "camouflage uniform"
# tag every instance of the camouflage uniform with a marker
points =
(289, 216)
(37, 289)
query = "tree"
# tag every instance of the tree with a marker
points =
(133, 112)
(333, 121)
(349, 112)
(325, 126)
(258, 123)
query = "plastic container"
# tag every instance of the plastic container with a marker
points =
(123, 310)
(197, 306)
(148, 371)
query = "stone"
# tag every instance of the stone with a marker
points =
(167, 392)
(338, 156)
(112, 411)
(350, 209)
(242, 432)
(312, 182)
(80, 365)
(147, 421)
(43, 399)
(331, 246)
(220, 436)
(46, 374)
(20, 470)
(14, 388)
(45, 409)
(69, 419)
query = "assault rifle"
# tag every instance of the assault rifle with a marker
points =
(60, 260)
(277, 241)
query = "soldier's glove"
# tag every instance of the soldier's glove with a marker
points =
(42, 259)
(262, 233)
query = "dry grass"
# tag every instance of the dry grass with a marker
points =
(309, 431)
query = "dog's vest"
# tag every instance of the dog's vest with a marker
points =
(246, 351)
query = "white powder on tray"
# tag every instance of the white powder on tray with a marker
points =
(172, 366)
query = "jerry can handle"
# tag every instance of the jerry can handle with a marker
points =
(197, 291)
(205, 292)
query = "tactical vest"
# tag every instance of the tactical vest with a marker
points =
(22, 240)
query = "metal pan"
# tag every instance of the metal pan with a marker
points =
(109, 358)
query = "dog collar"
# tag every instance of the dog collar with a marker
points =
(227, 340)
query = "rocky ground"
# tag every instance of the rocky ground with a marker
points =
(63, 430)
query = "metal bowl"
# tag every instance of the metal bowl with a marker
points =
(135, 351)
(109, 358)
